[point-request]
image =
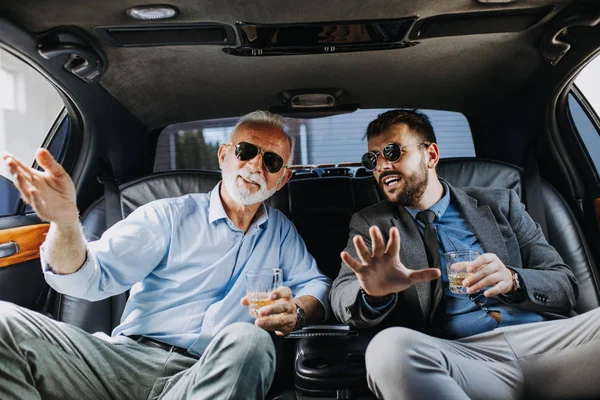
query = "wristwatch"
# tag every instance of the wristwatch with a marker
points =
(300, 318)
(517, 284)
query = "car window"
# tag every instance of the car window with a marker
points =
(584, 109)
(329, 140)
(29, 108)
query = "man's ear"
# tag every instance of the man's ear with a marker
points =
(221, 154)
(286, 177)
(433, 155)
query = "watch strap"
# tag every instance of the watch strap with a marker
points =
(300, 318)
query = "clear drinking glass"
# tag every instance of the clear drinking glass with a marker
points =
(259, 286)
(456, 267)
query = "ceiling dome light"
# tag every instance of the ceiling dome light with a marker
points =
(152, 12)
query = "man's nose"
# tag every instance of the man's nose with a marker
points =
(256, 163)
(382, 163)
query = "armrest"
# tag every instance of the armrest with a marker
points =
(327, 364)
(323, 330)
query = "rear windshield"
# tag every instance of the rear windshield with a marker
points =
(329, 140)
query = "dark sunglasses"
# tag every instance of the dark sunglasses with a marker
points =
(245, 151)
(391, 152)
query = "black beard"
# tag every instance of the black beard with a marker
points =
(415, 186)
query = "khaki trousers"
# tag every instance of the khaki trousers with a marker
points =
(545, 360)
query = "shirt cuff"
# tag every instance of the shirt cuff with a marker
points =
(319, 291)
(75, 284)
(376, 310)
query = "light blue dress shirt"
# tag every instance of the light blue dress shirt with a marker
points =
(185, 262)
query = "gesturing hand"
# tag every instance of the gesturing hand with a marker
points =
(51, 192)
(488, 270)
(380, 271)
(279, 316)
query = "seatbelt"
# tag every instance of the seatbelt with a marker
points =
(533, 191)
(112, 214)
(112, 195)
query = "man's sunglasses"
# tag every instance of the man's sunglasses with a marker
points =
(391, 152)
(245, 151)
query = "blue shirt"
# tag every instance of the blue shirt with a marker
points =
(463, 316)
(185, 262)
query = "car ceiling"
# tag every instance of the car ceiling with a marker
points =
(167, 84)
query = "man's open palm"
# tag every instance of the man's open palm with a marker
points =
(379, 270)
(51, 192)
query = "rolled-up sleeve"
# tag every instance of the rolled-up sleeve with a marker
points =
(124, 255)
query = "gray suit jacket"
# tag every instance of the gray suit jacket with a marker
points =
(502, 226)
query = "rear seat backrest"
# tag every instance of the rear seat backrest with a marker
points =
(321, 209)
(567, 238)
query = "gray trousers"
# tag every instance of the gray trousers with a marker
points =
(44, 359)
(545, 360)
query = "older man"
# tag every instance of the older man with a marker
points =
(507, 337)
(185, 331)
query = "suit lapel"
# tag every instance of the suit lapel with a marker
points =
(483, 223)
(412, 255)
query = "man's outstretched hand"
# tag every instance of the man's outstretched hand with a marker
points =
(379, 270)
(51, 192)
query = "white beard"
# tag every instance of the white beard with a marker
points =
(242, 195)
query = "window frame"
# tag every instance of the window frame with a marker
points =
(594, 120)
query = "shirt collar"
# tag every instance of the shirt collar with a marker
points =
(438, 208)
(216, 210)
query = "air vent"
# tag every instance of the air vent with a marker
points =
(167, 35)
(477, 23)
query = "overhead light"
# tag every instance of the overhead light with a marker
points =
(309, 100)
(496, 1)
(152, 12)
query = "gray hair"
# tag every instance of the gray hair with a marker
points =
(266, 117)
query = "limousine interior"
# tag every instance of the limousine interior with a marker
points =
(133, 100)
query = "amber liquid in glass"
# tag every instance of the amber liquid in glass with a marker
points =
(258, 300)
(455, 282)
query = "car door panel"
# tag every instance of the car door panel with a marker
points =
(21, 278)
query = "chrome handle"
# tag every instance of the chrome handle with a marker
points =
(8, 249)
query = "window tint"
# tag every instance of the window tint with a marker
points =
(29, 106)
(588, 84)
(57, 145)
(586, 129)
(584, 109)
(335, 139)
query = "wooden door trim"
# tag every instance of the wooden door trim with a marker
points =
(28, 238)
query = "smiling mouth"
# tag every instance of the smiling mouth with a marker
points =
(391, 181)
(249, 181)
